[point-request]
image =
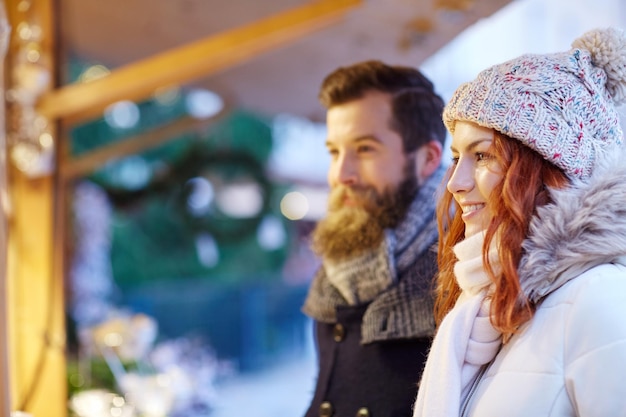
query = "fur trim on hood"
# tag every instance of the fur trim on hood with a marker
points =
(583, 228)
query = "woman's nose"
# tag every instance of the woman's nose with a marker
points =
(461, 180)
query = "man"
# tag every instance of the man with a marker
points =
(372, 298)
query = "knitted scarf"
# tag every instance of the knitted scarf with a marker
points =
(465, 341)
(363, 278)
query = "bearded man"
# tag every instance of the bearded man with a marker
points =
(371, 300)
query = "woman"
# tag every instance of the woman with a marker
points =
(531, 297)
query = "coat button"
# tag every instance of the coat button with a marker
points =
(363, 412)
(339, 332)
(326, 409)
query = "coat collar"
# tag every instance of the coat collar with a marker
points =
(583, 228)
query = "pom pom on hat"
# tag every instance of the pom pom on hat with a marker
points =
(608, 51)
(561, 105)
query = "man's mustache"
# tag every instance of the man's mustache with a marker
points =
(363, 196)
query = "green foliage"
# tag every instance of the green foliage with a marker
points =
(89, 374)
(242, 131)
(151, 246)
(154, 237)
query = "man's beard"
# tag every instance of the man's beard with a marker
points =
(349, 231)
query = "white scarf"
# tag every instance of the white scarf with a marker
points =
(465, 341)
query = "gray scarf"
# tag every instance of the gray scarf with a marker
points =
(375, 275)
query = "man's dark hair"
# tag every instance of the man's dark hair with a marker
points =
(416, 108)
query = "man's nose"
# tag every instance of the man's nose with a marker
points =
(344, 171)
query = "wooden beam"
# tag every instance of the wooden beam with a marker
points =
(137, 81)
(86, 164)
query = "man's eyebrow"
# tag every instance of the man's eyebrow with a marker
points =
(357, 140)
(367, 137)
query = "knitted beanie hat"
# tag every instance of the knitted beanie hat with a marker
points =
(560, 105)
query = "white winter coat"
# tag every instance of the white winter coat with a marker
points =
(570, 359)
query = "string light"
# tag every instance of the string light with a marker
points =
(29, 136)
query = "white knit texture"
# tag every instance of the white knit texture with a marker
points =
(561, 105)
(465, 340)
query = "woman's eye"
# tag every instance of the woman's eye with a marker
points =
(454, 160)
(483, 156)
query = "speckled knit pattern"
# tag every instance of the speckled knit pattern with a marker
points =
(561, 105)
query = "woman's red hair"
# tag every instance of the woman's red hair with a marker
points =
(514, 201)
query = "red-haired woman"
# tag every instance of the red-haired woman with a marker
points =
(531, 296)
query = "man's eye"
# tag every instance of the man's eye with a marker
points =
(454, 160)
(365, 148)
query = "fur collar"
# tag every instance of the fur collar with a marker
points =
(585, 227)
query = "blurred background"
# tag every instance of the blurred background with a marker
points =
(188, 211)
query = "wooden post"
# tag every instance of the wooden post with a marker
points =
(34, 285)
(5, 384)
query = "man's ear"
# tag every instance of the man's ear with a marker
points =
(428, 159)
